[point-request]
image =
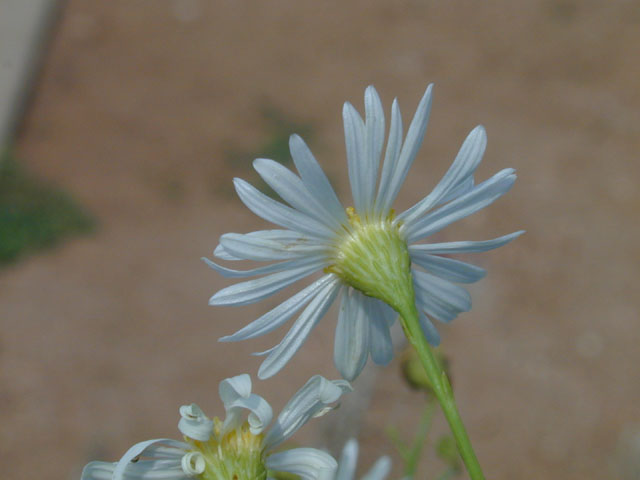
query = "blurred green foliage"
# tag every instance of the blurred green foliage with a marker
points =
(33, 215)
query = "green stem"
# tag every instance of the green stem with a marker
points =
(442, 390)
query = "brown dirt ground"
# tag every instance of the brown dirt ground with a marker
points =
(103, 338)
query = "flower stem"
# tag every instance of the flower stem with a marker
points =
(442, 389)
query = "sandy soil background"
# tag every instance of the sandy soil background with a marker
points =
(138, 106)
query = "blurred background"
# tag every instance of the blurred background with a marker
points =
(144, 110)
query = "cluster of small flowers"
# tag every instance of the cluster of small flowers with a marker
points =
(370, 259)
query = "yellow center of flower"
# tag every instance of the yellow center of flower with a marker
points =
(373, 257)
(237, 455)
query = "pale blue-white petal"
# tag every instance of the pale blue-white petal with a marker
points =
(348, 461)
(306, 463)
(293, 191)
(258, 247)
(354, 137)
(394, 144)
(300, 330)
(447, 268)
(222, 254)
(466, 246)
(481, 196)
(260, 288)
(434, 307)
(380, 469)
(374, 140)
(142, 470)
(260, 413)
(410, 148)
(279, 315)
(232, 388)
(98, 471)
(351, 343)
(314, 178)
(125, 466)
(312, 400)
(280, 214)
(272, 268)
(461, 170)
(194, 423)
(463, 187)
(430, 332)
(380, 344)
(449, 293)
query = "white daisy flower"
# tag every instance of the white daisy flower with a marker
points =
(233, 449)
(349, 461)
(368, 254)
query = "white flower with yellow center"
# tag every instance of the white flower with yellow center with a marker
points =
(233, 449)
(349, 461)
(367, 253)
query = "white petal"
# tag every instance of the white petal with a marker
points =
(430, 332)
(434, 307)
(193, 463)
(380, 469)
(293, 191)
(124, 466)
(314, 178)
(374, 139)
(394, 144)
(222, 254)
(272, 268)
(280, 314)
(447, 268)
(259, 417)
(453, 295)
(381, 346)
(260, 288)
(307, 463)
(98, 471)
(354, 137)
(300, 330)
(308, 402)
(466, 246)
(351, 344)
(481, 196)
(280, 214)
(194, 423)
(461, 170)
(348, 461)
(259, 247)
(464, 187)
(410, 148)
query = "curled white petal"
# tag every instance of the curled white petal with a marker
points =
(307, 463)
(193, 463)
(194, 423)
(153, 459)
(313, 398)
(235, 393)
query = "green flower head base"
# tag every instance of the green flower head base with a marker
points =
(237, 448)
(372, 260)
